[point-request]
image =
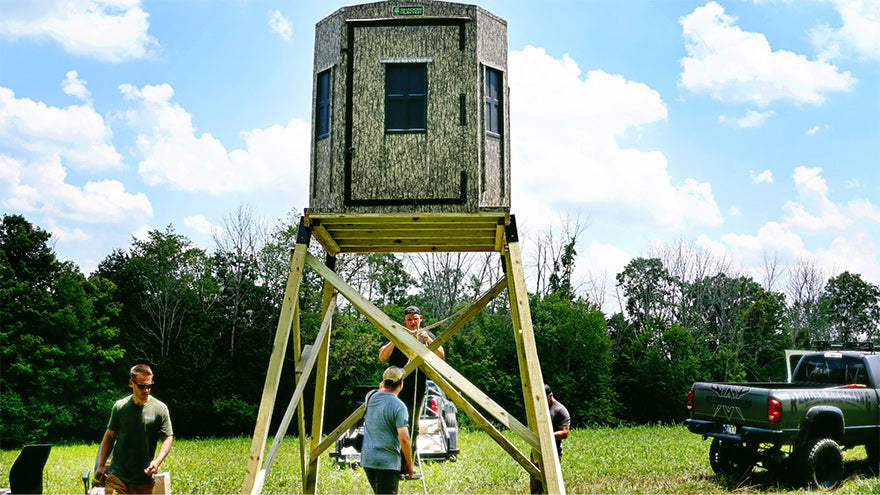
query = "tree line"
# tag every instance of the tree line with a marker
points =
(205, 321)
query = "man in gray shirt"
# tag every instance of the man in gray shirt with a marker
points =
(386, 434)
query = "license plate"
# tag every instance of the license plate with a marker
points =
(728, 429)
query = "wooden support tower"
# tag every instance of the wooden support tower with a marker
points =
(440, 232)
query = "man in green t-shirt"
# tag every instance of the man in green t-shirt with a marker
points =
(136, 424)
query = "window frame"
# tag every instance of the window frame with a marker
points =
(323, 99)
(410, 98)
(494, 102)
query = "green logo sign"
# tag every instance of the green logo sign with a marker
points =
(407, 10)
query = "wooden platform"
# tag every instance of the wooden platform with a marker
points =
(407, 233)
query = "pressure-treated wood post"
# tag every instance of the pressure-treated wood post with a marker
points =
(529, 366)
(276, 361)
(311, 477)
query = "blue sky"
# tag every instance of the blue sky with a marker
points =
(744, 128)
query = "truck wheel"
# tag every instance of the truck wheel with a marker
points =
(873, 450)
(822, 465)
(730, 458)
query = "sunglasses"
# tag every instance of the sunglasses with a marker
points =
(144, 385)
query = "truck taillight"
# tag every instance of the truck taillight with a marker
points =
(774, 410)
(432, 405)
(690, 403)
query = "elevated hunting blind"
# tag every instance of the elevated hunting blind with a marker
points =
(410, 153)
(410, 110)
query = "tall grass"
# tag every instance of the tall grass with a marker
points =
(655, 459)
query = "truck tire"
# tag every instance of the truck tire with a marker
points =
(730, 458)
(873, 450)
(821, 464)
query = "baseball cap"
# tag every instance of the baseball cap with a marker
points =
(393, 373)
(412, 310)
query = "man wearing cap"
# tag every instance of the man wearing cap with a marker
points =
(559, 417)
(414, 384)
(386, 436)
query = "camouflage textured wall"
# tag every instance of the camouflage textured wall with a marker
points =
(453, 166)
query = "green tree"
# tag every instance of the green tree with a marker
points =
(563, 267)
(653, 370)
(852, 308)
(58, 347)
(806, 320)
(648, 288)
(575, 352)
(170, 320)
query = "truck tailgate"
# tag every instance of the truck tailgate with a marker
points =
(739, 404)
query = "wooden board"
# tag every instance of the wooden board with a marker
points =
(407, 233)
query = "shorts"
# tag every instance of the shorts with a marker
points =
(116, 485)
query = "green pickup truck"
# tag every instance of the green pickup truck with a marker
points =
(831, 402)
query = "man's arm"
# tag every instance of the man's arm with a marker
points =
(406, 449)
(106, 446)
(164, 449)
(561, 433)
(385, 351)
(429, 338)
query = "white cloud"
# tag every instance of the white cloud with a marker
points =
(37, 142)
(106, 30)
(63, 234)
(858, 35)
(173, 153)
(856, 253)
(815, 212)
(772, 237)
(200, 224)
(751, 118)
(40, 186)
(77, 134)
(76, 87)
(734, 211)
(281, 25)
(815, 129)
(567, 156)
(605, 258)
(765, 176)
(142, 233)
(736, 66)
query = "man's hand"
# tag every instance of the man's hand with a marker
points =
(153, 468)
(408, 473)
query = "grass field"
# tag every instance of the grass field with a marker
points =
(655, 459)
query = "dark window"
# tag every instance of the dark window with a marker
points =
(322, 106)
(406, 87)
(831, 369)
(494, 108)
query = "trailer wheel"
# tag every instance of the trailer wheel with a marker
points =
(822, 464)
(730, 458)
